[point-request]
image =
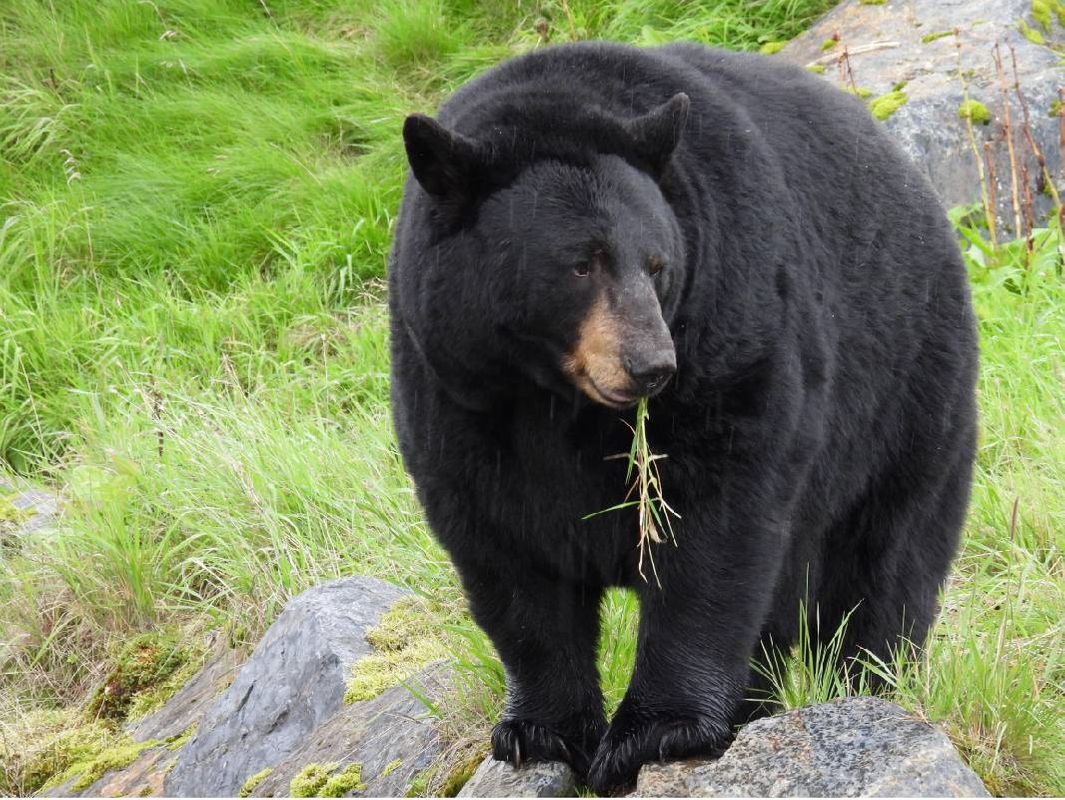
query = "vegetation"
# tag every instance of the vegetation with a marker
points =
(249, 785)
(196, 200)
(404, 641)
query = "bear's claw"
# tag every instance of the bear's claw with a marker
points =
(521, 741)
(626, 748)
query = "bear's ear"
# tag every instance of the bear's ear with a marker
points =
(657, 133)
(442, 161)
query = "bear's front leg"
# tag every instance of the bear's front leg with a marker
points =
(697, 634)
(545, 630)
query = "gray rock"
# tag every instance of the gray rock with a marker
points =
(38, 507)
(293, 682)
(858, 747)
(392, 738)
(499, 779)
(885, 46)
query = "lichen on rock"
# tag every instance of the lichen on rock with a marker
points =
(885, 105)
(974, 111)
(344, 782)
(249, 785)
(310, 780)
(324, 780)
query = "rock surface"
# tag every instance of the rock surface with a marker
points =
(913, 41)
(36, 509)
(293, 682)
(499, 779)
(391, 737)
(857, 747)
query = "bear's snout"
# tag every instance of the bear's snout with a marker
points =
(650, 369)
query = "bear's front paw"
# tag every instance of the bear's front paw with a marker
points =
(635, 739)
(520, 741)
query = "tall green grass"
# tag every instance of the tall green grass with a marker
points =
(196, 200)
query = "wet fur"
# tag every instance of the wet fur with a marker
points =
(820, 429)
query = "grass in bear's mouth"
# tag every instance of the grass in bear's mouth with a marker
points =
(645, 491)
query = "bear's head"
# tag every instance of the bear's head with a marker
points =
(560, 251)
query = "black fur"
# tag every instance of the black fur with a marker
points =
(820, 427)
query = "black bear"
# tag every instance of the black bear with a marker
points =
(591, 224)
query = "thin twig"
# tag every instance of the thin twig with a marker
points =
(1045, 175)
(986, 187)
(1007, 128)
(854, 51)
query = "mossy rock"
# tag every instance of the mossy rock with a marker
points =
(326, 780)
(48, 748)
(404, 641)
(92, 765)
(249, 785)
(145, 673)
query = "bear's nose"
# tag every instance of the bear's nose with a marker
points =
(651, 370)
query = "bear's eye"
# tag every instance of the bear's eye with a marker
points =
(593, 264)
(654, 265)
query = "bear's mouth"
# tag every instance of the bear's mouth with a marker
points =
(614, 399)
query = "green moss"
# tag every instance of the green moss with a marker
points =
(179, 741)
(347, 780)
(828, 44)
(771, 48)
(1041, 11)
(859, 91)
(10, 513)
(1055, 109)
(45, 763)
(458, 776)
(419, 784)
(391, 767)
(975, 111)
(249, 785)
(116, 757)
(142, 667)
(152, 697)
(310, 780)
(898, 87)
(817, 69)
(404, 641)
(1030, 33)
(931, 37)
(871, 2)
(887, 104)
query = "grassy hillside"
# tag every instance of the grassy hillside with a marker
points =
(196, 199)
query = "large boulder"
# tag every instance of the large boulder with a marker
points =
(280, 723)
(914, 42)
(857, 747)
(294, 682)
